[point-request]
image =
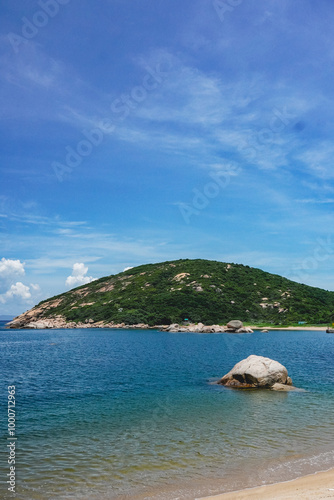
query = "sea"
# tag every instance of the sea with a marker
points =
(136, 414)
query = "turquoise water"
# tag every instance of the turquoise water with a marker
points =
(133, 414)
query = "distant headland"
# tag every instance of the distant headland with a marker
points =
(183, 292)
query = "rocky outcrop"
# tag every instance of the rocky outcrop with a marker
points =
(244, 329)
(234, 326)
(257, 372)
(35, 314)
(59, 322)
(39, 325)
(35, 322)
(34, 319)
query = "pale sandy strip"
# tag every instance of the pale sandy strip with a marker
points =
(300, 328)
(312, 487)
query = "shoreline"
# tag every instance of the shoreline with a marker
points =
(49, 325)
(314, 486)
(292, 328)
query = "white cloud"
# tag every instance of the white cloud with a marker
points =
(79, 275)
(18, 291)
(127, 268)
(10, 268)
(35, 287)
(12, 290)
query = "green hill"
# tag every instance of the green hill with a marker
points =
(199, 290)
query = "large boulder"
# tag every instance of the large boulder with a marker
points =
(257, 371)
(235, 324)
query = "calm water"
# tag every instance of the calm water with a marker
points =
(132, 414)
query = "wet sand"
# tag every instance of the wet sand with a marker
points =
(314, 486)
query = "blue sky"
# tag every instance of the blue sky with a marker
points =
(143, 131)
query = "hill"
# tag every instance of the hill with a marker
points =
(198, 290)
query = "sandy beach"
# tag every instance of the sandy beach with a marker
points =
(297, 328)
(314, 486)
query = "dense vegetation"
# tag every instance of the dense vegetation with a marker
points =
(197, 290)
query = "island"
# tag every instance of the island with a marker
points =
(183, 292)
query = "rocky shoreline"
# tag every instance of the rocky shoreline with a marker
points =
(59, 322)
(234, 326)
(29, 322)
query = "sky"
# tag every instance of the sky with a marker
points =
(140, 131)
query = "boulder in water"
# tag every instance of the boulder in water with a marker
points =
(257, 372)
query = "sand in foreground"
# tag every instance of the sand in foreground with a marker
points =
(315, 486)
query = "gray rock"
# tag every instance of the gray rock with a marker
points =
(39, 325)
(282, 387)
(244, 329)
(235, 324)
(174, 326)
(256, 371)
(218, 329)
(207, 329)
(198, 327)
(195, 328)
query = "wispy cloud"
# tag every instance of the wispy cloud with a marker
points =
(316, 201)
(19, 213)
(216, 94)
(318, 159)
